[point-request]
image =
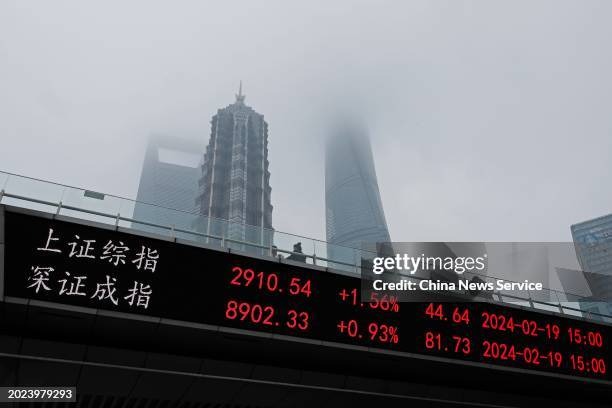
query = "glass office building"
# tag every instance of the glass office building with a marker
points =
(169, 180)
(593, 242)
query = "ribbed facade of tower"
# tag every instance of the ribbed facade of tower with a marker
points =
(354, 211)
(235, 182)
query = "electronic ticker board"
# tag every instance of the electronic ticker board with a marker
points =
(75, 264)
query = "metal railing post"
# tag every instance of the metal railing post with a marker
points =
(59, 207)
(529, 299)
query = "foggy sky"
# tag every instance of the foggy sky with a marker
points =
(490, 120)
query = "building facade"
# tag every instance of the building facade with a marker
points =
(168, 183)
(354, 211)
(234, 197)
(593, 243)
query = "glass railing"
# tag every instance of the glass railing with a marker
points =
(26, 192)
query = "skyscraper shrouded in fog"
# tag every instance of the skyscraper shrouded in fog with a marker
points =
(235, 181)
(169, 181)
(354, 211)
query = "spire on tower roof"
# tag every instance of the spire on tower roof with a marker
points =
(239, 96)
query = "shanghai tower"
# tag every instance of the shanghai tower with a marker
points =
(235, 181)
(354, 211)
